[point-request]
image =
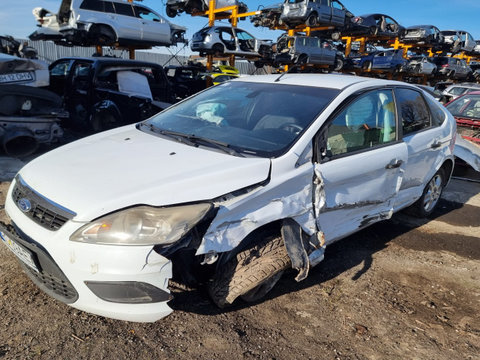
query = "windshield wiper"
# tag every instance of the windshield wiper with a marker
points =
(215, 143)
(180, 137)
(193, 140)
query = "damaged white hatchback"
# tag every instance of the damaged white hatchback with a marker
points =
(226, 189)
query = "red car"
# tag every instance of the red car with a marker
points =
(466, 110)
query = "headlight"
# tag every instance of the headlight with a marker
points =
(142, 225)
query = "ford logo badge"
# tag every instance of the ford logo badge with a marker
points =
(25, 205)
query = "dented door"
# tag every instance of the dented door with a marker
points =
(359, 165)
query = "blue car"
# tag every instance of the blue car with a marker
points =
(381, 60)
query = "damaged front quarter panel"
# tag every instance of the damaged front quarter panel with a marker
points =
(288, 196)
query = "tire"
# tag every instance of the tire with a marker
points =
(338, 65)
(428, 202)
(217, 50)
(367, 65)
(302, 59)
(170, 12)
(336, 36)
(251, 274)
(101, 35)
(312, 20)
(103, 121)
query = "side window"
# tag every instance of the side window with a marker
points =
(367, 122)
(413, 110)
(337, 5)
(60, 69)
(438, 116)
(146, 14)
(94, 5)
(124, 9)
(109, 7)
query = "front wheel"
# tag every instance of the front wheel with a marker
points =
(338, 65)
(431, 195)
(251, 274)
(312, 20)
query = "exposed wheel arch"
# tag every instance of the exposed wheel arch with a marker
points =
(102, 34)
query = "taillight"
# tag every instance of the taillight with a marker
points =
(444, 65)
(41, 21)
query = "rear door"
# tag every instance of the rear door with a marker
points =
(360, 160)
(324, 10)
(127, 25)
(338, 13)
(154, 27)
(424, 137)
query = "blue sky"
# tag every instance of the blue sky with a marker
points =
(16, 15)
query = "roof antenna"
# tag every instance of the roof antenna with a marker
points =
(286, 72)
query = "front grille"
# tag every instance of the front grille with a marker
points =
(50, 277)
(43, 211)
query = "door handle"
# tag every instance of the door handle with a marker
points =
(394, 164)
(436, 144)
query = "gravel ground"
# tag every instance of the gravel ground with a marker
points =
(401, 289)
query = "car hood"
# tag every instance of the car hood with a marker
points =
(125, 167)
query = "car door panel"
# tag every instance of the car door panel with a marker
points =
(362, 167)
(359, 189)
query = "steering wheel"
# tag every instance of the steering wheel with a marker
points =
(291, 128)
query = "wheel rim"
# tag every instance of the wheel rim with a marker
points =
(434, 191)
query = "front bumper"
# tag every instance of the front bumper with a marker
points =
(122, 282)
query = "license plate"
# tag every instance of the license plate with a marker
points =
(23, 254)
(16, 77)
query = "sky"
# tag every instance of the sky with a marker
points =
(16, 16)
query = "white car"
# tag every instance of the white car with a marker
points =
(227, 188)
(105, 22)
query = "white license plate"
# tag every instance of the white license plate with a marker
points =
(24, 255)
(16, 77)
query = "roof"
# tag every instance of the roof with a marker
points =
(332, 81)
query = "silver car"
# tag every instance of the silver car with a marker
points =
(221, 40)
(421, 65)
(174, 7)
(307, 50)
(314, 13)
(105, 22)
(458, 40)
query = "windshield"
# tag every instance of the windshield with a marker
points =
(466, 106)
(251, 118)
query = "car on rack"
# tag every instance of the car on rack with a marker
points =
(379, 25)
(466, 110)
(452, 68)
(456, 41)
(227, 40)
(105, 22)
(421, 64)
(390, 60)
(302, 50)
(229, 188)
(315, 13)
(101, 93)
(175, 7)
(268, 16)
(453, 91)
(423, 35)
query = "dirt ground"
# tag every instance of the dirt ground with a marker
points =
(401, 289)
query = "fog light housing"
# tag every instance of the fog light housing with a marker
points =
(128, 292)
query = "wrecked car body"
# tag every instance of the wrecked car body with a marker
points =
(317, 163)
(102, 93)
(29, 117)
(175, 7)
(105, 22)
(21, 71)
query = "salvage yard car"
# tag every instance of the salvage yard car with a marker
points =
(105, 22)
(227, 188)
(101, 93)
